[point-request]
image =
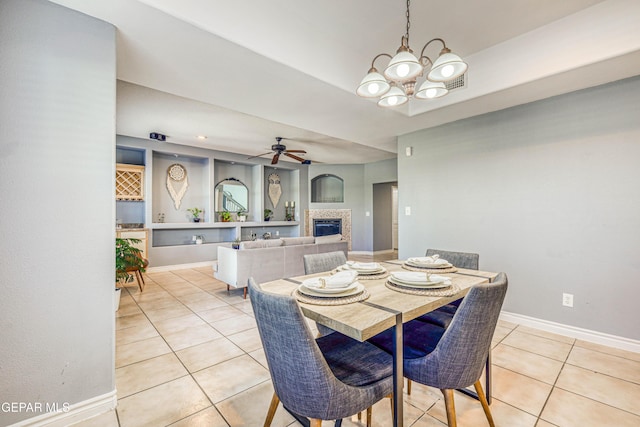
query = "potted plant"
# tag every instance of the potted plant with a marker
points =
(268, 213)
(242, 215)
(196, 213)
(225, 216)
(128, 258)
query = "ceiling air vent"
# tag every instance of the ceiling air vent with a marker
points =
(457, 83)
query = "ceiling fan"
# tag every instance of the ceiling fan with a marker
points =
(278, 149)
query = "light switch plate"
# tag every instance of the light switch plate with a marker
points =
(407, 210)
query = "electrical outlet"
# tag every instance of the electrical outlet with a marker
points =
(277, 233)
(567, 300)
(407, 210)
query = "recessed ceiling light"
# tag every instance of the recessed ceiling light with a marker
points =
(201, 137)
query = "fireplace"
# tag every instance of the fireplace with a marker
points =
(326, 227)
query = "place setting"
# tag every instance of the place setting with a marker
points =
(421, 283)
(340, 288)
(429, 264)
(365, 270)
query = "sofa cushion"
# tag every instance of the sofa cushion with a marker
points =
(305, 240)
(261, 244)
(329, 239)
(272, 243)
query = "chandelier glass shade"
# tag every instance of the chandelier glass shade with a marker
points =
(398, 81)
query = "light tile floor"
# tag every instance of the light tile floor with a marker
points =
(188, 354)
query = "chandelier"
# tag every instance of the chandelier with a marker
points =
(400, 77)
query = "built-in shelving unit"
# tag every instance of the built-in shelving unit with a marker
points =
(173, 237)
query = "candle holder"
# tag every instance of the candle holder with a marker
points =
(290, 211)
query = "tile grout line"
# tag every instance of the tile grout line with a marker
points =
(176, 356)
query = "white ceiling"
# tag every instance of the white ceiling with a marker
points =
(244, 72)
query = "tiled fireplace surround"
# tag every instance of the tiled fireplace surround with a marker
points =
(343, 214)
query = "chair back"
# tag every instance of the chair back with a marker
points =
(301, 376)
(317, 263)
(461, 353)
(458, 259)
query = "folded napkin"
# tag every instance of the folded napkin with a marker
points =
(428, 260)
(363, 265)
(341, 279)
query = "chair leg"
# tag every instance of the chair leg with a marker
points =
(275, 400)
(245, 292)
(314, 422)
(360, 416)
(135, 274)
(408, 386)
(369, 416)
(450, 406)
(142, 279)
(483, 401)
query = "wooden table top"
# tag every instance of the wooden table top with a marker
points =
(363, 320)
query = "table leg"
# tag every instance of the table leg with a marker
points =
(398, 376)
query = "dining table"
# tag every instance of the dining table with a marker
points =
(384, 307)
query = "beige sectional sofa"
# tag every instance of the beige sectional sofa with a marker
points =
(271, 259)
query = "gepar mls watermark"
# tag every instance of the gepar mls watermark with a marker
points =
(34, 407)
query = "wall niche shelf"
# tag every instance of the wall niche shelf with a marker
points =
(327, 188)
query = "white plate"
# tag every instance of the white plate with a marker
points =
(365, 272)
(352, 289)
(424, 285)
(416, 277)
(358, 266)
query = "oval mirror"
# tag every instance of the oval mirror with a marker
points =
(232, 195)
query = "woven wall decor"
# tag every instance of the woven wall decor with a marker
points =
(177, 183)
(275, 191)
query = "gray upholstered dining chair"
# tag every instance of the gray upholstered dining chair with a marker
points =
(330, 378)
(317, 263)
(457, 359)
(443, 315)
(458, 259)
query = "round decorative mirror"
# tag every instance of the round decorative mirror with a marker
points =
(232, 196)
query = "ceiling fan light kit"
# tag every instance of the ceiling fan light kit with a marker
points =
(396, 85)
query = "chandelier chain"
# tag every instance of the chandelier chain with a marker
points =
(408, 21)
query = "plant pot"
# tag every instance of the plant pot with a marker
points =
(235, 245)
(116, 299)
(242, 218)
(196, 219)
(267, 219)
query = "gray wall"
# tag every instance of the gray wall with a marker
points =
(358, 195)
(547, 192)
(57, 126)
(353, 176)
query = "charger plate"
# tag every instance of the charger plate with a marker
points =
(443, 292)
(429, 270)
(308, 299)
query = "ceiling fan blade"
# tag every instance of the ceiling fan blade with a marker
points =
(296, 151)
(300, 159)
(275, 158)
(259, 155)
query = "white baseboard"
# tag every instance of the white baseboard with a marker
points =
(573, 332)
(77, 412)
(162, 268)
